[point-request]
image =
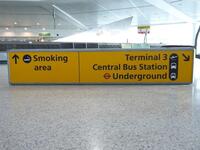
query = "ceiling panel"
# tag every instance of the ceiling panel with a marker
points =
(92, 13)
(97, 19)
(140, 3)
(23, 10)
(25, 20)
(110, 4)
(155, 16)
(188, 7)
(81, 7)
(124, 13)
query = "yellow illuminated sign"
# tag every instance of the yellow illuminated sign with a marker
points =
(43, 67)
(143, 27)
(127, 66)
(136, 67)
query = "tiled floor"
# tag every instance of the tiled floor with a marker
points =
(110, 117)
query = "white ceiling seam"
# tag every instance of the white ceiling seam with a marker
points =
(100, 5)
(137, 8)
(165, 6)
(71, 18)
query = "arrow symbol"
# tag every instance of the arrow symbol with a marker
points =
(186, 58)
(15, 57)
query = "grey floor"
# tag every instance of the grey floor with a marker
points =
(120, 117)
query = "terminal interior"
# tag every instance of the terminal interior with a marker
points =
(99, 116)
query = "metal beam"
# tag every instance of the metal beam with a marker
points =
(71, 19)
(163, 5)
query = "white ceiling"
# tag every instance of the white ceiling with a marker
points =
(73, 16)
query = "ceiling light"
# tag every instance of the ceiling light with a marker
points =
(15, 23)
(25, 28)
(7, 28)
(37, 23)
(43, 29)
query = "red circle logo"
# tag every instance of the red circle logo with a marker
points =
(107, 76)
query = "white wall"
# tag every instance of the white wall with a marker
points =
(176, 34)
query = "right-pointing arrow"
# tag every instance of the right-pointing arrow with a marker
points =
(15, 57)
(186, 58)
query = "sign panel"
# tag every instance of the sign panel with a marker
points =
(152, 66)
(43, 67)
(127, 66)
(143, 29)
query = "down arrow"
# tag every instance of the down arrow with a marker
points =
(186, 58)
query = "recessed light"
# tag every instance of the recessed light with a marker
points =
(43, 29)
(25, 28)
(15, 23)
(7, 28)
(37, 23)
